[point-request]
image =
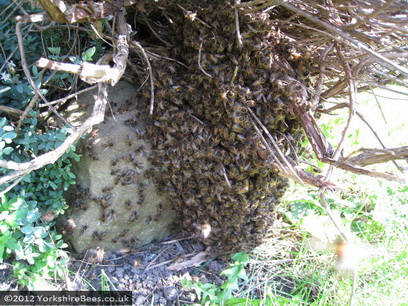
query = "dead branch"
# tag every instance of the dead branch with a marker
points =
(377, 156)
(28, 75)
(140, 49)
(343, 164)
(297, 104)
(11, 111)
(306, 177)
(352, 97)
(22, 169)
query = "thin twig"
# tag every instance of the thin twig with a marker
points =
(352, 99)
(225, 176)
(371, 16)
(149, 68)
(28, 75)
(319, 86)
(360, 115)
(199, 61)
(11, 111)
(70, 96)
(239, 36)
(11, 186)
(278, 150)
(154, 32)
(326, 206)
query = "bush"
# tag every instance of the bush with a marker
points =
(27, 237)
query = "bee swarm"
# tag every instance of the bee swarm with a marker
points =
(216, 169)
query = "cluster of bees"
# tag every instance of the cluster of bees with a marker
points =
(214, 165)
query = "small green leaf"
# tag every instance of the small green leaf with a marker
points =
(19, 88)
(8, 128)
(9, 135)
(34, 70)
(39, 232)
(8, 150)
(54, 50)
(61, 137)
(88, 54)
(27, 229)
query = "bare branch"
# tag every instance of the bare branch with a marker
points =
(51, 157)
(376, 156)
(28, 75)
(139, 47)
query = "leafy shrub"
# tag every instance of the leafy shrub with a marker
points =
(35, 247)
(27, 240)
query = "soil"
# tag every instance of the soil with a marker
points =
(143, 271)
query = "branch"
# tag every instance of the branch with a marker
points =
(377, 156)
(98, 113)
(28, 75)
(22, 169)
(341, 36)
(343, 164)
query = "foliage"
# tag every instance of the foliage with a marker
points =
(37, 249)
(210, 294)
(27, 239)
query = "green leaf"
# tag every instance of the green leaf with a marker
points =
(34, 70)
(7, 151)
(8, 136)
(8, 128)
(54, 50)
(2, 248)
(27, 229)
(39, 232)
(33, 215)
(88, 54)
(61, 137)
(19, 88)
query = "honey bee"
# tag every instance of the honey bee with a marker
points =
(134, 241)
(106, 146)
(94, 133)
(83, 229)
(128, 204)
(148, 220)
(115, 161)
(128, 140)
(133, 216)
(124, 232)
(68, 226)
(98, 235)
(106, 189)
(111, 215)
